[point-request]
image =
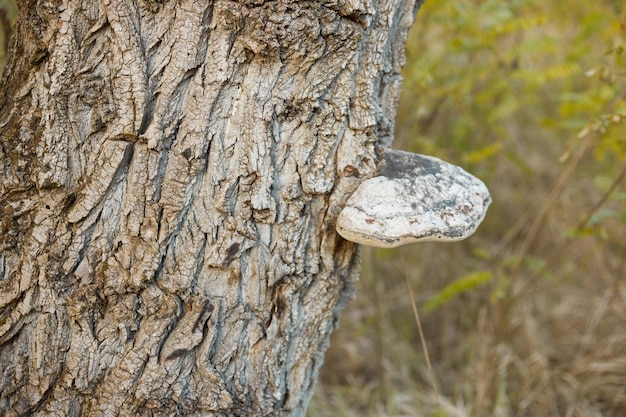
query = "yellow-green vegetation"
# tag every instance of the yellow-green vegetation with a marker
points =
(528, 317)
(7, 17)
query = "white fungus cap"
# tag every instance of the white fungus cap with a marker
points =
(414, 198)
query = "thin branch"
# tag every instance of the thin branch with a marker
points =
(420, 330)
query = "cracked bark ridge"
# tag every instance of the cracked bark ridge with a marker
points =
(414, 198)
(171, 173)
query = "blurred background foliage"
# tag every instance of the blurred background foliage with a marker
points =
(527, 317)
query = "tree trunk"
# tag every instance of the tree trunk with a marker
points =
(171, 174)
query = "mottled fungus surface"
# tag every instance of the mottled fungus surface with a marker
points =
(414, 198)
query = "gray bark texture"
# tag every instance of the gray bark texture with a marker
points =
(170, 177)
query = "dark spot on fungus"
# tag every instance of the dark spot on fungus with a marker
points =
(398, 164)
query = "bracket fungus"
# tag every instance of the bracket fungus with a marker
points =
(413, 198)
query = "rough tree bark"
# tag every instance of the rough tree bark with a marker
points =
(171, 174)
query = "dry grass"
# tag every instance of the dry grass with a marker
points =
(554, 347)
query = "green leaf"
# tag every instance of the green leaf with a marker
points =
(460, 286)
(603, 214)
